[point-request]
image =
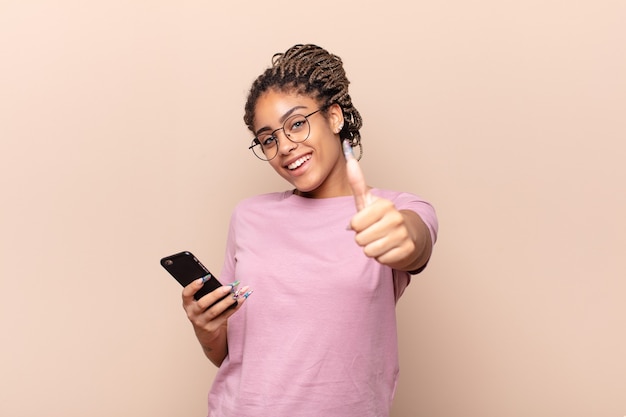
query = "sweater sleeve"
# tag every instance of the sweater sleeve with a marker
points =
(228, 268)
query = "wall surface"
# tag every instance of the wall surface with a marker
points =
(122, 141)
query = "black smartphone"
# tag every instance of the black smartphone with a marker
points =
(186, 268)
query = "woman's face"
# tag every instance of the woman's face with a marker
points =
(315, 167)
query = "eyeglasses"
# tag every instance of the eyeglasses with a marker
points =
(296, 129)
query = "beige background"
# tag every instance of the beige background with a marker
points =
(122, 141)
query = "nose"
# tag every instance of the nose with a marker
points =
(285, 145)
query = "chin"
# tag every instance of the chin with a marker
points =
(300, 183)
(304, 189)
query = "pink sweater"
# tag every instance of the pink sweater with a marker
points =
(318, 336)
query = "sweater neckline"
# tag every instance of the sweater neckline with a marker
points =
(291, 197)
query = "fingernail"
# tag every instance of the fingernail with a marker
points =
(234, 284)
(237, 293)
(347, 150)
(206, 278)
(246, 295)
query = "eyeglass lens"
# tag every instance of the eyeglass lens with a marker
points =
(296, 129)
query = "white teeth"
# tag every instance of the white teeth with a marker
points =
(299, 162)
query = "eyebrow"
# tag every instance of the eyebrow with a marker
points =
(281, 120)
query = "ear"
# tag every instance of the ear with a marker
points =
(335, 117)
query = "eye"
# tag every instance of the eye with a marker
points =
(297, 124)
(267, 141)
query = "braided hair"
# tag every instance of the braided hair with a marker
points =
(311, 70)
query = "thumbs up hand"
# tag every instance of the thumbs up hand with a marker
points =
(360, 190)
(385, 233)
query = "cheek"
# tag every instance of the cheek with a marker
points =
(279, 169)
(275, 164)
(332, 147)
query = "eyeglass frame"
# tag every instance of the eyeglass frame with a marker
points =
(257, 142)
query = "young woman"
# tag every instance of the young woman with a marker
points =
(327, 259)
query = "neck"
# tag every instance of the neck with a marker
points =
(324, 193)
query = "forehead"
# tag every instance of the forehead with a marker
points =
(274, 104)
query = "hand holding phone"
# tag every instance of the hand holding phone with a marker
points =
(208, 324)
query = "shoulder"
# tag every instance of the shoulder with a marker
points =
(408, 201)
(400, 198)
(261, 204)
(262, 199)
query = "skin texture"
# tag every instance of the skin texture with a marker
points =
(397, 238)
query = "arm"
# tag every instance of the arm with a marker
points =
(215, 348)
(419, 235)
(210, 324)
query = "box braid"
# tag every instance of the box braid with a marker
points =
(311, 70)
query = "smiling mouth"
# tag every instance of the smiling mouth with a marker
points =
(298, 162)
